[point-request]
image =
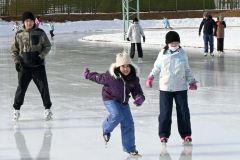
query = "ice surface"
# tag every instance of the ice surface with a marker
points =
(75, 132)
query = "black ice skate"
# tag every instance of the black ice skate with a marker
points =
(134, 154)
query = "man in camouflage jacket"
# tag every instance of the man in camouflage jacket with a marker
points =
(28, 50)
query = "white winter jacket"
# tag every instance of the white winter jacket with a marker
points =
(135, 32)
(174, 71)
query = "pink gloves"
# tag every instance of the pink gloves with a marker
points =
(149, 81)
(85, 73)
(193, 86)
(139, 100)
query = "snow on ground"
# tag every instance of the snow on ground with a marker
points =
(155, 34)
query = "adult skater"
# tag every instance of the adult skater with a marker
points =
(208, 25)
(38, 21)
(174, 77)
(118, 82)
(28, 50)
(134, 34)
(219, 32)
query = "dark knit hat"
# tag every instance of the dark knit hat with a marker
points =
(172, 36)
(135, 19)
(27, 15)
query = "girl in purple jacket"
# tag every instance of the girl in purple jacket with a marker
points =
(119, 82)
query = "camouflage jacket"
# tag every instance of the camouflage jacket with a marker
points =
(30, 47)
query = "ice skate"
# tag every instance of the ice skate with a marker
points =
(164, 140)
(205, 54)
(187, 140)
(211, 54)
(106, 137)
(134, 154)
(140, 60)
(48, 114)
(16, 115)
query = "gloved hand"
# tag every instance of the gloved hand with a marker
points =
(18, 67)
(139, 100)
(144, 39)
(128, 39)
(149, 81)
(85, 73)
(193, 86)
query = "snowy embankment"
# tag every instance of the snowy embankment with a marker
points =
(155, 34)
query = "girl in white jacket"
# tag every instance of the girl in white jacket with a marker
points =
(174, 77)
(134, 34)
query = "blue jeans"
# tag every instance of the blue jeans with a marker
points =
(120, 113)
(208, 39)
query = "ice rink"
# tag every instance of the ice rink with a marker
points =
(75, 132)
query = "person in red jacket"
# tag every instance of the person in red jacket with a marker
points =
(219, 33)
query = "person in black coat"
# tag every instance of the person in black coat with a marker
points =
(208, 25)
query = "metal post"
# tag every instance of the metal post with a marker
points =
(127, 12)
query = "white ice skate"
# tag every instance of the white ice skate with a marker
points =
(187, 140)
(48, 114)
(140, 60)
(164, 140)
(16, 115)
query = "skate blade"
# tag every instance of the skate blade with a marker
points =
(48, 118)
(164, 144)
(187, 143)
(134, 156)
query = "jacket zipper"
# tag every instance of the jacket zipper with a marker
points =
(124, 90)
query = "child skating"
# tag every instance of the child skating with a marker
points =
(119, 82)
(174, 77)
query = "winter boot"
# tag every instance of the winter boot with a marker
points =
(48, 114)
(16, 115)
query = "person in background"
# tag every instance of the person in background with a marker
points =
(51, 27)
(208, 25)
(219, 33)
(134, 34)
(166, 23)
(38, 21)
(174, 77)
(16, 26)
(29, 48)
(119, 82)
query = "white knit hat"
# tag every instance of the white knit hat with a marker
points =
(123, 59)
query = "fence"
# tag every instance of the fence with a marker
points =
(42, 7)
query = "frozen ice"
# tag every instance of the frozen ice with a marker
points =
(75, 131)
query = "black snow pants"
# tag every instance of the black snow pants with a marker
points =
(39, 77)
(165, 116)
(220, 42)
(139, 49)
